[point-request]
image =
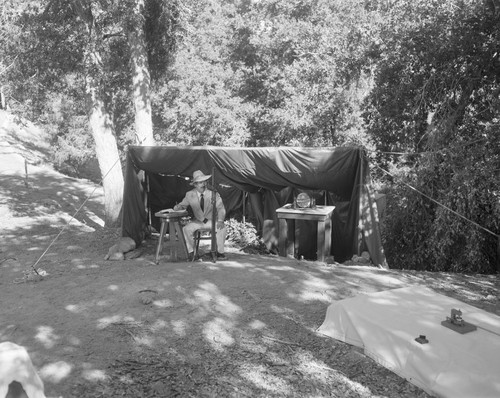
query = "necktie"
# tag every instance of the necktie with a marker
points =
(202, 203)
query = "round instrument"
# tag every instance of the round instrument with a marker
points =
(303, 200)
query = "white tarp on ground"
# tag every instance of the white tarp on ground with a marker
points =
(451, 365)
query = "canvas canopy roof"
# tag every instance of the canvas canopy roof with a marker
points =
(259, 180)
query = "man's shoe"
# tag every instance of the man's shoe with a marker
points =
(221, 256)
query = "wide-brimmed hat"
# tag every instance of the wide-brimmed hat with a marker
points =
(198, 176)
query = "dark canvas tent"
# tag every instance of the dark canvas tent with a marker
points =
(258, 181)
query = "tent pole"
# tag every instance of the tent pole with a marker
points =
(244, 207)
(213, 248)
(147, 202)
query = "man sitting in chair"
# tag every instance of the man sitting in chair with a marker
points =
(200, 200)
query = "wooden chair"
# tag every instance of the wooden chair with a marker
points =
(204, 233)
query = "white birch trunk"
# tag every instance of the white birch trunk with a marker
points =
(102, 128)
(140, 79)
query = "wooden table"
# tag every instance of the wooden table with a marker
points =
(176, 241)
(287, 216)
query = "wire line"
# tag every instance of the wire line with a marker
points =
(72, 218)
(442, 205)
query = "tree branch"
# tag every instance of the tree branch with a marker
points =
(115, 34)
(10, 66)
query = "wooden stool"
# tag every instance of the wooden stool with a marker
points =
(176, 241)
(204, 233)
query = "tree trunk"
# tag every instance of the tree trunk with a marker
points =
(107, 154)
(102, 128)
(140, 77)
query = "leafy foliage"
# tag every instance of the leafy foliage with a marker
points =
(268, 73)
(244, 235)
(49, 80)
(436, 93)
(305, 73)
(199, 105)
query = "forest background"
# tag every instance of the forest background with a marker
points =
(414, 82)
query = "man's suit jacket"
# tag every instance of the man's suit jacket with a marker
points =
(191, 199)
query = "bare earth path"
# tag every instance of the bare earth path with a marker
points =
(245, 327)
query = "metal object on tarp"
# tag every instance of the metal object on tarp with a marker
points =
(421, 339)
(456, 323)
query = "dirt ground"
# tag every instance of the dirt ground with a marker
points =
(244, 327)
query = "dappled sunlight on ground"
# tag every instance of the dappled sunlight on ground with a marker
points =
(56, 372)
(253, 320)
(46, 336)
(93, 375)
(257, 375)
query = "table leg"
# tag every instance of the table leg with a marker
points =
(296, 239)
(290, 237)
(282, 237)
(182, 240)
(328, 236)
(321, 241)
(172, 240)
(160, 240)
